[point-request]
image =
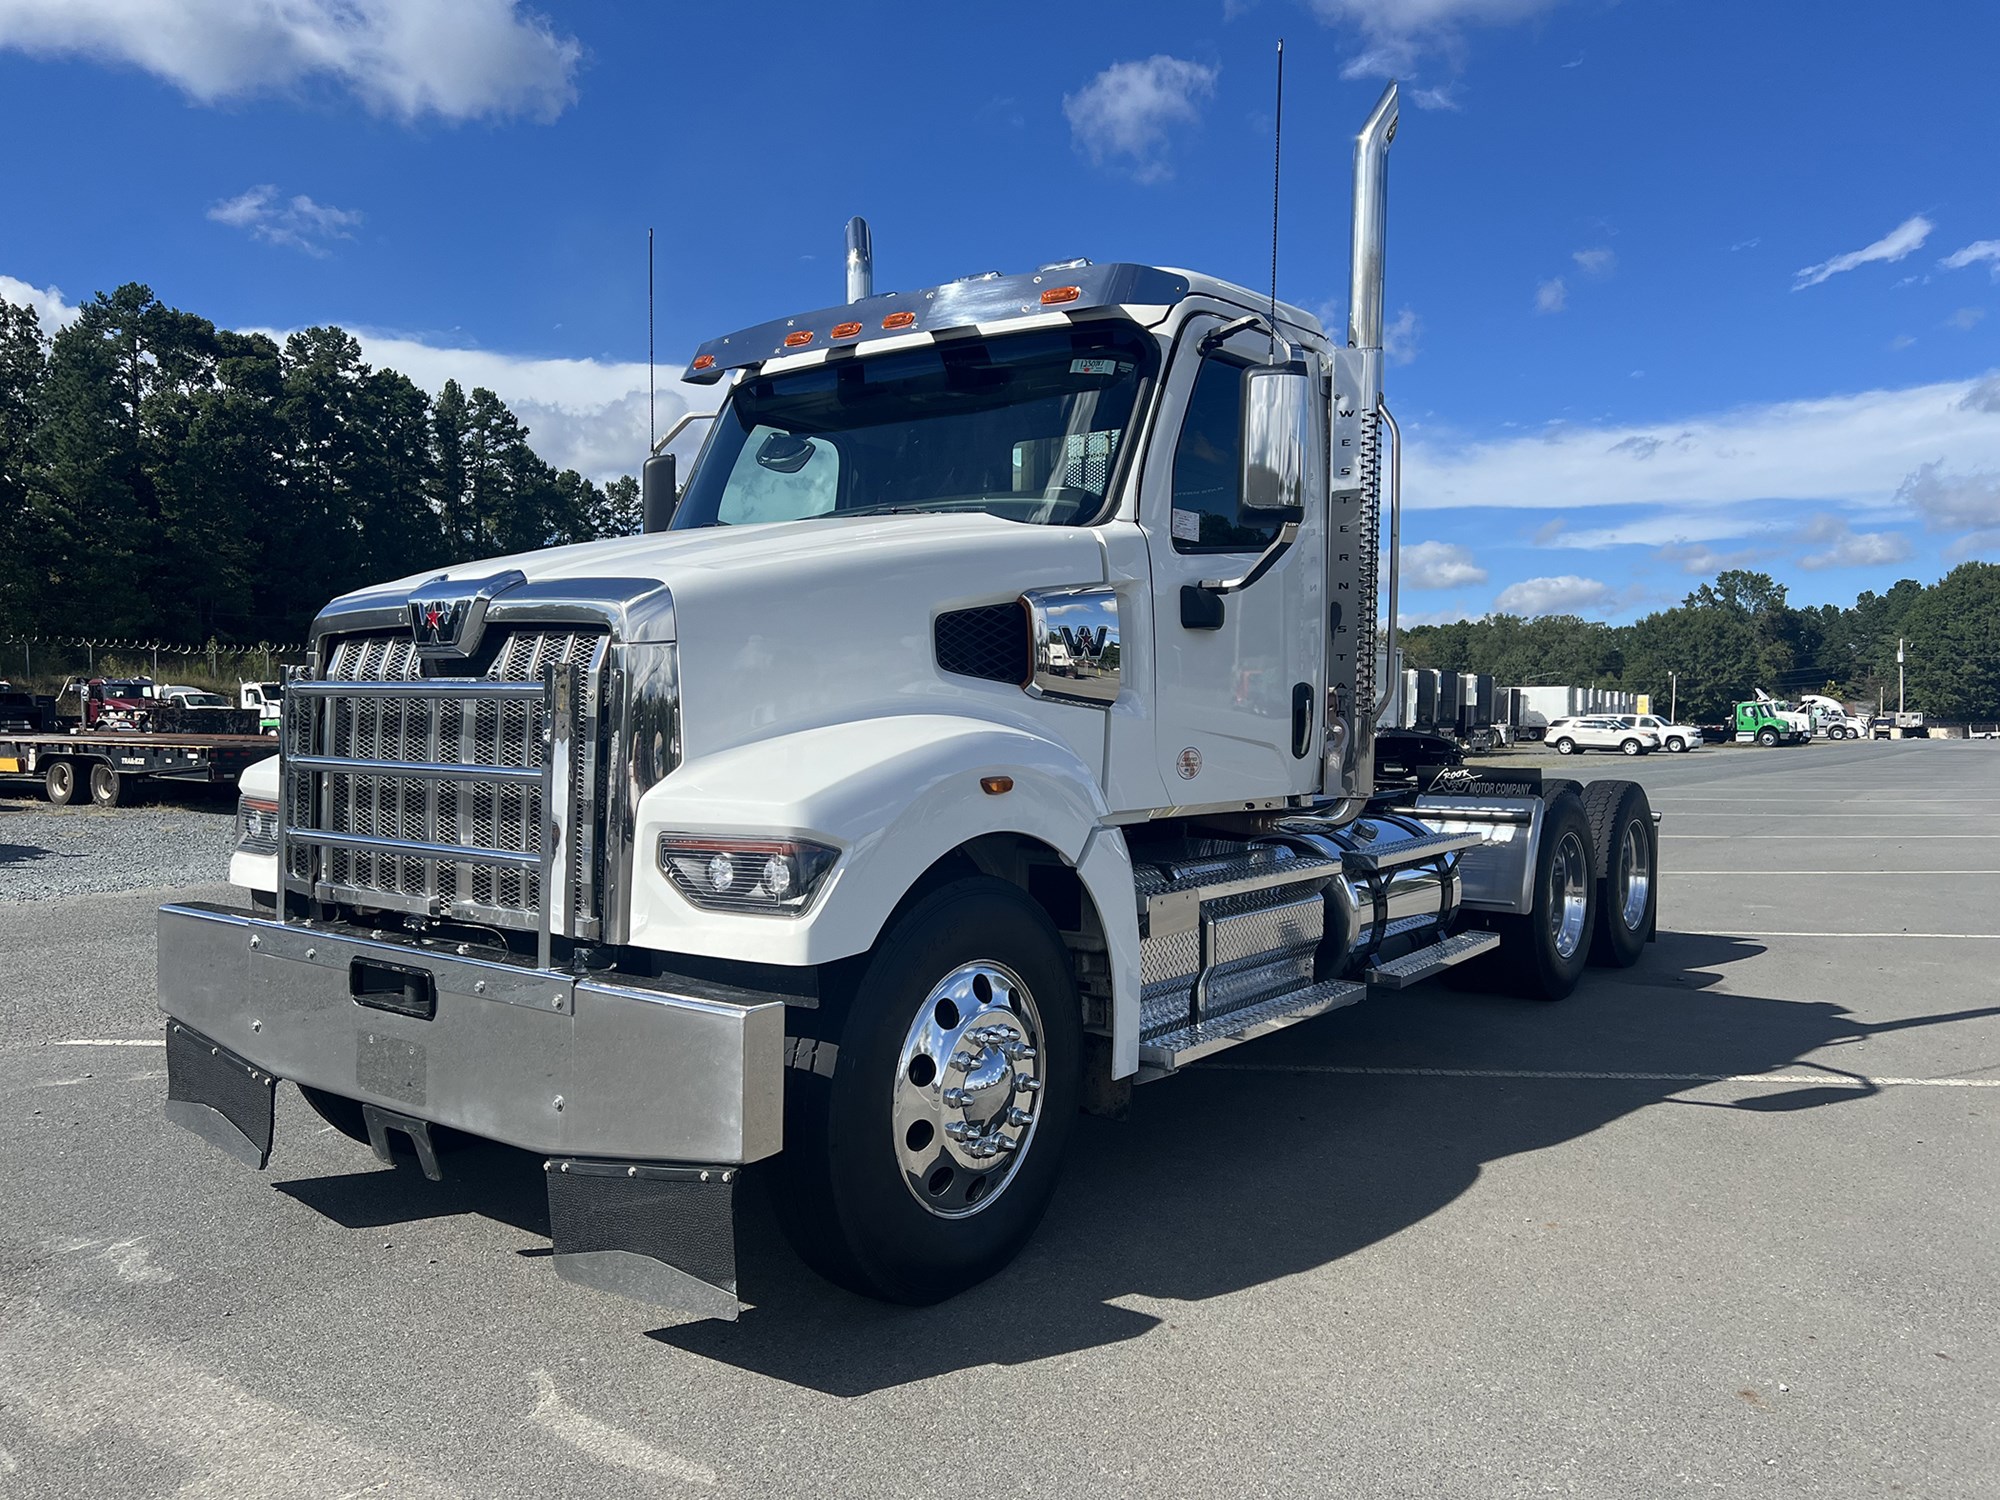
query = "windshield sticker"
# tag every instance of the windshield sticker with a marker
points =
(1093, 367)
(1187, 526)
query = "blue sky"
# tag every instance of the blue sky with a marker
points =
(1677, 286)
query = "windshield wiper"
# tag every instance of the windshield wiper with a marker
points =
(896, 509)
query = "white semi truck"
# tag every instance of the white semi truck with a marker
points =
(993, 729)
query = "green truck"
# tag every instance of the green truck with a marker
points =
(1769, 723)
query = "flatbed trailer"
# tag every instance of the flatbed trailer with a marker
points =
(104, 763)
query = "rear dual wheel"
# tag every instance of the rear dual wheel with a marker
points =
(1543, 952)
(59, 782)
(1625, 855)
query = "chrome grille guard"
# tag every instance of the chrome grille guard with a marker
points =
(531, 868)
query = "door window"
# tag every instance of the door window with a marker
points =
(1208, 468)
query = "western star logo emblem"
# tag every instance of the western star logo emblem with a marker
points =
(447, 615)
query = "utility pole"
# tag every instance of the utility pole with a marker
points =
(1899, 674)
(1673, 697)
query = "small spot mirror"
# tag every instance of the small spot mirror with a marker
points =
(785, 452)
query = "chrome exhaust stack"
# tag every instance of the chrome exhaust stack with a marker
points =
(1355, 697)
(861, 260)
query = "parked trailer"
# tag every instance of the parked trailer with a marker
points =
(104, 765)
(890, 909)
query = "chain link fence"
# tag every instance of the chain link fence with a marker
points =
(43, 663)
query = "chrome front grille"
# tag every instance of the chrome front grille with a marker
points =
(433, 794)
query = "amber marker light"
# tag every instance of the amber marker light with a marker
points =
(1055, 296)
(798, 340)
(993, 786)
(705, 362)
(899, 320)
(845, 330)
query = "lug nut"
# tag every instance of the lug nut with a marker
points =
(1018, 1052)
(1019, 1117)
(958, 1098)
(1028, 1085)
(963, 1061)
(961, 1130)
(1003, 1143)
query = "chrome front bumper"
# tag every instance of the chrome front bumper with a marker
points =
(543, 1060)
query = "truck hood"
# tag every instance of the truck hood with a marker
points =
(795, 624)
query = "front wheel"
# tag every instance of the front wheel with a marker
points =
(1677, 747)
(1767, 737)
(1632, 747)
(1565, 746)
(922, 1160)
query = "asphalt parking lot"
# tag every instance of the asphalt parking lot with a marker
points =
(1721, 1223)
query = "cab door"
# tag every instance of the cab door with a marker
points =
(1239, 676)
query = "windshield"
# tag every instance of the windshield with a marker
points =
(204, 700)
(1029, 426)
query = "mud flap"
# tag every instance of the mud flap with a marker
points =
(659, 1234)
(220, 1097)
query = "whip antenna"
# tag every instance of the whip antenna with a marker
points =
(652, 424)
(1277, 161)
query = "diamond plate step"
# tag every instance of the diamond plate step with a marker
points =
(1421, 964)
(1164, 1054)
(1411, 851)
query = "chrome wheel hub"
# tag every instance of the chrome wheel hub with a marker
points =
(968, 1089)
(1635, 875)
(1569, 895)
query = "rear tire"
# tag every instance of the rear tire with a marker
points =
(1542, 955)
(1625, 853)
(59, 782)
(881, 1186)
(107, 787)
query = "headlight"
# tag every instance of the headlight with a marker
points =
(728, 874)
(256, 825)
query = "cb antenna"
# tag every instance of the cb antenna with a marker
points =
(1277, 162)
(652, 424)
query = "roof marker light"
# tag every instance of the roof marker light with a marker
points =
(1056, 295)
(899, 320)
(704, 362)
(799, 340)
(846, 330)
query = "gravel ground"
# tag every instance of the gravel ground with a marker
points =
(180, 837)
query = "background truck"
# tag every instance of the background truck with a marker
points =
(109, 702)
(994, 729)
(1760, 720)
(106, 764)
(1833, 719)
(267, 698)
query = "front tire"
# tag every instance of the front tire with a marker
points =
(1767, 738)
(1677, 746)
(1565, 746)
(920, 1164)
(1632, 747)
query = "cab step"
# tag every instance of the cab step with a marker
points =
(1393, 856)
(1423, 963)
(1172, 1050)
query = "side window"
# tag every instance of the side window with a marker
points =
(1208, 468)
(776, 483)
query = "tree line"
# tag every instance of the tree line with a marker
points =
(1737, 634)
(164, 478)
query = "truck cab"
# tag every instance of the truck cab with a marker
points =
(991, 730)
(267, 698)
(1762, 722)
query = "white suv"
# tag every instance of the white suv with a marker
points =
(1599, 732)
(1675, 738)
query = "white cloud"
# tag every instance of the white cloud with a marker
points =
(1439, 565)
(1399, 339)
(1834, 450)
(297, 221)
(1972, 254)
(1396, 33)
(1698, 558)
(1949, 501)
(1126, 111)
(459, 59)
(1551, 296)
(1893, 246)
(47, 301)
(1563, 595)
(1964, 318)
(1851, 549)
(1601, 261)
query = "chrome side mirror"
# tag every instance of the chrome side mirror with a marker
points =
(1279, 435)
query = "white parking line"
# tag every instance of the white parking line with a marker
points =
(1833, 1080)
(1871, 838)
(1871, 874)
(1973, 936)
(114, 1041)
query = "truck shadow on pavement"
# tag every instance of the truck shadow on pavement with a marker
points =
(1256, 1166)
